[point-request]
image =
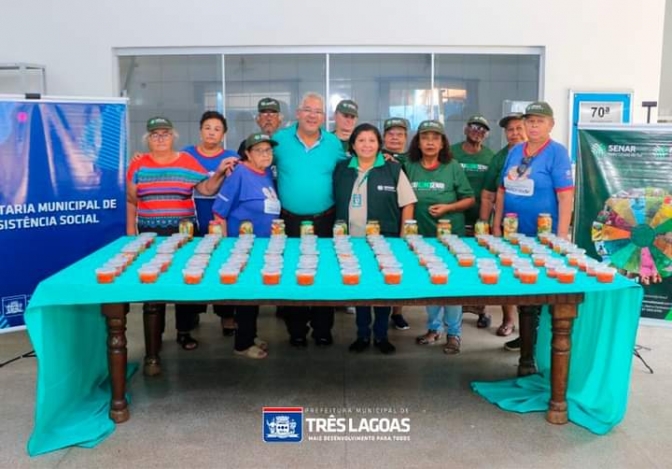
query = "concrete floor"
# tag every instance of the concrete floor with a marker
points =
(204, 411)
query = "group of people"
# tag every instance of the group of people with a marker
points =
(354, 173)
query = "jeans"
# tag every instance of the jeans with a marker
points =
(452, 318)
(363, 320)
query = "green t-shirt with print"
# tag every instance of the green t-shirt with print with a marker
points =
(446, 184)
(475, 166)
(493, 176)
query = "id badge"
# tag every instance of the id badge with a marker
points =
(356, 200)
(272, 206)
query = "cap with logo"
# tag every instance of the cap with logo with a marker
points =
(258, 137)
(157, 123)
(478, 120)
(348, 107)
(431, 126)
(395, 122)
(268, 104)
(504, 121)
(539, 108)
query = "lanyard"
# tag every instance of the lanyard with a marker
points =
(363, 180)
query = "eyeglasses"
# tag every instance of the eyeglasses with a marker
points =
(308, 110)
(159, 137)
(262, 151)
(524, 165)
(477, 128)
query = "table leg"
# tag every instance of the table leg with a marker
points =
(115, 315)
(153, 317)
(528, 319)
(563, 316)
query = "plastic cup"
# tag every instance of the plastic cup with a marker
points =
(526, 247)
(228, 275)
(573, 259)
(591, 267)
(350, 276)
(148, 273)
(489, 276)
(466, 260)
(544, 238)
(565, 274)
(539, 260)
(192, 275)
(506, 259)
(438, 276)
(270, 275)
(305, 277)
(520, 264)
(605, 274)
(551, 266)
(392, 275)
(528, 275)
(486, 262)
(106, 274)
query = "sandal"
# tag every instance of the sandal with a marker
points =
(262, 344)
(506, 330)
(187, 341)
(429, 338)
(452, 345)
(251, 352)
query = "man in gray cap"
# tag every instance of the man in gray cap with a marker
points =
(475, 159)
(345, 120)
(268, 119)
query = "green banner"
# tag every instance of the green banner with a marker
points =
(624, 206)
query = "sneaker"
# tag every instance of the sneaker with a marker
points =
(359, 345)
(384, 346)
(323, 341)
(484, 321)
(399, 322)
(513, 345)
(350, 310)
(298, 342)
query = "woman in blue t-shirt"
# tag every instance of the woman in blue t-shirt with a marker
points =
(248, 194)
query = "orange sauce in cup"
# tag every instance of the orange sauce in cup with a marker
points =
(605, 277)
(350, 278)
(392, 277)
(271, 278)
(192, 279)
(439, 278)
(106, 276)
(506, 261)
(489, 278)
(148, 277)
(528, 277)
(566, 277)
(305, 279)
(465, 261)
(228, 278)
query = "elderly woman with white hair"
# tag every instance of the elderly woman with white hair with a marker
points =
(159, 193)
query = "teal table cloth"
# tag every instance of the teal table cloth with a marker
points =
(69, 333)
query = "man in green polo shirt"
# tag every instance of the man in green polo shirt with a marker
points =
(345, 120)
(305, 157)
(475, 159)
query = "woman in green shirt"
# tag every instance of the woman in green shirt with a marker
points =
(443, 192)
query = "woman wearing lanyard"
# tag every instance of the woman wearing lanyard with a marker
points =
(249, 195)
(443, 191)
(537, 178)
(210, 153)
(361, 192)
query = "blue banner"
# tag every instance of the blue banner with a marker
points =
(62, 190)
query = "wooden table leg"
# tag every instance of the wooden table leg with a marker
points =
(528, 320)
(563, 316)
(115, 315)
(153, 317)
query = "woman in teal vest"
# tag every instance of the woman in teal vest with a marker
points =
(366, 187)
(443, 191)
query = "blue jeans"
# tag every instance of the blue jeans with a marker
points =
(452, 318)
(380, 322)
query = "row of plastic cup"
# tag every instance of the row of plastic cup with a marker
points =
(348, 262)
(387, 262)
(426, 254)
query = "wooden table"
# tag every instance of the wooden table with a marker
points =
(563, 311)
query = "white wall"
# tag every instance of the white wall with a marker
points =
(665, 102)
(589, 44)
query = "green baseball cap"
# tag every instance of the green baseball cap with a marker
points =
(268, 104)
(504, 121)
(395, 122)
(158, 122)
(258, 137)
(348, 107)
(539, 108)
(479, 120)
(431, 126)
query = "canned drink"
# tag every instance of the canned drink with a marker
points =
(246, 228)
(510, 225)
(215, 227)
(340, 228)
(481, 228)
(372, 227)
(278, 227)
(443, 227)
(410, 228)
(544, 223)
(187, 227)
(307, 228)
